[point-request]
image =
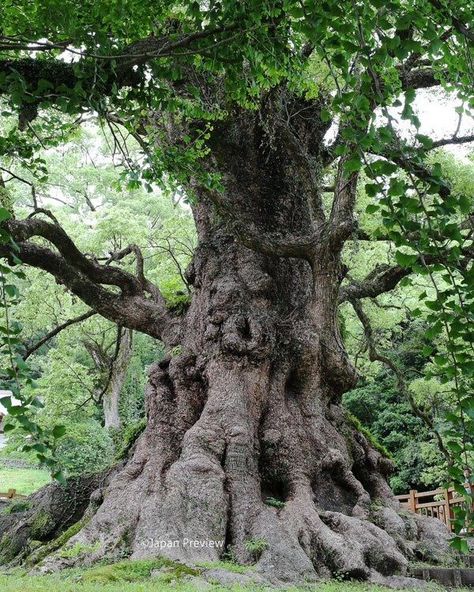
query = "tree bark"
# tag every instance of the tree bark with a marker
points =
(247, 448)
(118, 372)
(113, 369)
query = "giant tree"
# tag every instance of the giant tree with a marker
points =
(232, 103)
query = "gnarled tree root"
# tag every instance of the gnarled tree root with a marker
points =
(296, 492)
(44, 517)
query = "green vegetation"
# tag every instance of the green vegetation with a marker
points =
(129, 436)
(228, 566)
(134, 571)
(73, 368)
(85, 448)
(78, 550)
(44, 550)
(256, 547)
(274, 502)
(25, 481)
(368, 435)
(383, 414)
(137, 579)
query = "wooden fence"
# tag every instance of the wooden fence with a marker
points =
(11, 494)
(438, 503)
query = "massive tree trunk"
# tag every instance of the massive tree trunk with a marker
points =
(249, 411)
(247, 449)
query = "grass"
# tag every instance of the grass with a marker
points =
(135, 576)
(228, 566)
(25, 481)
(55, 583)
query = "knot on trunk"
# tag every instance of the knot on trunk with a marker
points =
(246, 335)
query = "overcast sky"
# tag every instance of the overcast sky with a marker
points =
(436, 111)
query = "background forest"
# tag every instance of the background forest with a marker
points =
(90, 374)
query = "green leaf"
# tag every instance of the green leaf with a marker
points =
(372, 208)
(59, 476)
(352, 165)
(325, 115)
(11, 290)
(405, 260)
(4, 215)
(59, 431)
(459, 544)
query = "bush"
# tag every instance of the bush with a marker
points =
(85, 448)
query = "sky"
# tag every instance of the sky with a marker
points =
(436, 111)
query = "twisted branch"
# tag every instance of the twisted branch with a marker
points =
(138, 303)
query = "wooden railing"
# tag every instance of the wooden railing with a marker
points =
(428, 503)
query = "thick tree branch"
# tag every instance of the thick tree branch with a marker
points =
(410, 79)
(454, 140)
(341, 219)
(384, 278)
(381, 279)
(100, 74)
(416, 168)
(140, 274)
(131, 307)
(136, 53)
(418, 78)
(22, 230)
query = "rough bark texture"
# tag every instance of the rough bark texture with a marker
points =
(250, 407)
(40, 519)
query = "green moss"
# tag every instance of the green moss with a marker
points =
(41, 525)
(45, 550)
(77, 550)
(70, 532)
(176, 572)
(275, 503)
(10, 548)
(129, 437)
(133, 571)
(16, 507)
(368, 435)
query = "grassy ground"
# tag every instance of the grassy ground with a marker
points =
(135, 576)
(58, 584)
(25, 481)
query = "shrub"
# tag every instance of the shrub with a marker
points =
(85, 448)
